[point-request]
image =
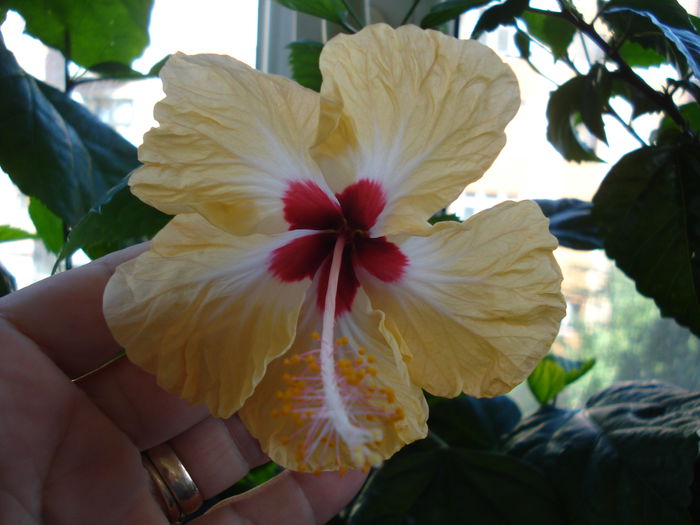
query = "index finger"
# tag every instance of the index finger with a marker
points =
(63, 314)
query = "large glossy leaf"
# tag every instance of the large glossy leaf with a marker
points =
(455, 485)
(446, 11)
(570, 221)
(118, 221)
(555, 32)
(111, 155)
(303, 60)
(89, 33)
(471, 422)
(564, 113)
(41, 153)
(55, 149)
(648, 209)
(332, 10)
(685, 38)
(626, 459)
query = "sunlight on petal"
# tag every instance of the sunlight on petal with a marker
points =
(202, 313)
(297, 436)
(423, 114)
(230, 140)
(480, 303)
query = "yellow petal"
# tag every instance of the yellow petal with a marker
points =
(392, 408)
(480, 302)
(201, 311)
(230, 140)
(423, 114)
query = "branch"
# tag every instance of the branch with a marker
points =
(627, 74)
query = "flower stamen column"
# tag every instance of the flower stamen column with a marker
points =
(337, 409)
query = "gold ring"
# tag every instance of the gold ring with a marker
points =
(178, 492)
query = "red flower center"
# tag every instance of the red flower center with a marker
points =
(307, 206)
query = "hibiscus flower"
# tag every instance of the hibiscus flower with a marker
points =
(299, 283)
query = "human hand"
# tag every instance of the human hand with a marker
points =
(72, 431)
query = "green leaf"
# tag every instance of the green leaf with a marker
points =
(648, 209)
(443, 216)
(555, 32)
(49, 228)
(684, 36)
(669, 132)
(118, 221)
(627, 459)
(89, 33)
(596, 91)
(554, 373)
(547, 380)
(303, 60)
(573, 370)
(447, 485)
(10, 233)
(7, 281)
(563, 112)
(55, 149)
(669, 12)
(446, 11)
(637, 55)
(42, 155)
(498, 15)
(472, 422)
(332, 10)
(639, 101)
(119, 71)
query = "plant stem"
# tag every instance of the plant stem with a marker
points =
(627, 125)
(626, 73)
(352, 13)
(409, 14)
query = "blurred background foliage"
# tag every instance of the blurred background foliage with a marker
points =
(588, 451)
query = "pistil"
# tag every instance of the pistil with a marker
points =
(336, 408)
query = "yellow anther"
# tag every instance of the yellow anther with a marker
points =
(359, 360)
(344, 363)
(295, 359)
(310, 359)
(342, 341)
(286, 361)
(314, 368)
(371, 371)
(361, 351)
(371, 359)
(287, 378)
(287, 409)
(315, 336)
